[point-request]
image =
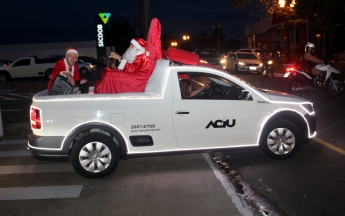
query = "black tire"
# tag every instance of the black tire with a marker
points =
(236, 69)
(83, 71)
(4, 76)
(270, 73)
(335, 86)
(48, 73)
(264, 73)
(95, 162)
(281, 140)
(294, 83)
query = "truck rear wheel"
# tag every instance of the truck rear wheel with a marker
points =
(95, 156)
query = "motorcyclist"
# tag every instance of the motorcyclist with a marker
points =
(309, 61)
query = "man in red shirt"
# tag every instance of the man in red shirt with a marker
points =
(68, 68)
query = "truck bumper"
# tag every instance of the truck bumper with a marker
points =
(47, 146)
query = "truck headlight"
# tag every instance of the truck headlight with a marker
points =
(270, 62)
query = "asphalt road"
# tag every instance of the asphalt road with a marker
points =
(311, 183)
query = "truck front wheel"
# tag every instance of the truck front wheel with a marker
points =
(95, 156)
(281, 140)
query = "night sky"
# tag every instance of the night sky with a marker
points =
(36, 21)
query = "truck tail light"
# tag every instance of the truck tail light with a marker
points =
(35, 117)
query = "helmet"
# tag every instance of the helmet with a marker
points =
(309, 45)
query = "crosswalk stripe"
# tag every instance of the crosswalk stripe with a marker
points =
(20, 96)
(46, 168)
(44, 192)
(14, 142)
(6, 98)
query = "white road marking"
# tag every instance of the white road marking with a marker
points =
(20, 96)
(226, 184)
(6, 98)
(45, 192)
(14, 142)
(18, 153)
(11, 110)
(45, 168)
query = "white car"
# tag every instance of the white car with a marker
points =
(96, 130)
(244, 62)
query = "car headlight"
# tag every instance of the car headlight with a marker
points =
(270, 62)
(241, 63)
(203, 61)
(260, 65)
(223, 61)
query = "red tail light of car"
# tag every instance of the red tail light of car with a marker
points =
(35, 117)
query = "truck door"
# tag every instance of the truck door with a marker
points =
(201, 122)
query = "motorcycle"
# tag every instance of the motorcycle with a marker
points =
(267, 69)
(302, 81)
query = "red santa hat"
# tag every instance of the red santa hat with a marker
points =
(72, 50)
(140, 44)
(183, 76)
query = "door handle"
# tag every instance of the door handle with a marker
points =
(179, 112)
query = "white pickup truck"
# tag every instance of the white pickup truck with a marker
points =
(96, 130)
(27, 67)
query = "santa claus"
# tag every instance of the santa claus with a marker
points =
(136, 65)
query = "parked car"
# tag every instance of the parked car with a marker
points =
(97, 63)
(213, 57)
(254, 51)
(85, 67)
(27, 67)
(58, 57)
(244, 62)
(5, 62)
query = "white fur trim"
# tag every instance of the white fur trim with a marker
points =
(122, 64)
(136, 44)
(63, 73)
(72, 51)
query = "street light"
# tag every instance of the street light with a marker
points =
(217, 28)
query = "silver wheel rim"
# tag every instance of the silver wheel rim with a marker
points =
(281, 141)
(95, 157)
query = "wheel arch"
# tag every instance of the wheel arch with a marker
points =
(88, 128)
(290, 116)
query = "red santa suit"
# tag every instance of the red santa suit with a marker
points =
(62, 66)
(132, 77)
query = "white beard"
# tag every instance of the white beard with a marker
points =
(130, 54)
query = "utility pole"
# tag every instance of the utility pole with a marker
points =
(146, 17)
